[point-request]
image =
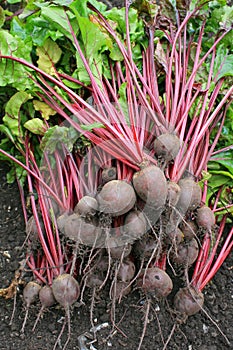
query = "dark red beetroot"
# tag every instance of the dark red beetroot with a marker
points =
(116, 198)
(156, 281)
(167, 146)
(135, 224)
(188, 301)
(190, 195)
(151, 186)
(173, 194)
(47, 299)
(87, 206)
(82, 231)
(109, 174)
(186, 253)
(61, 220)
(173, 234)
(66, 290)
(126, 271)
(189, 229)
(119, 251)
(144, 247)
(30, 295)
(205, 218)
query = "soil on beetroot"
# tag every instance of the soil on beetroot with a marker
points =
(197, 333)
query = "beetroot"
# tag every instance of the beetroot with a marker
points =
(47, 299)
(119, 251)
(167, 146)
(61, 220)
(85, 232)
(126, 271)
(173, 234)
(154, 280)
(116, 198)
(151, 186)
(109, 174)
(186, 253)
(205, 218)
(189, 229)
(94, 280)
(173, 194)
(87, 206)
(144, 247)
(30, 295)
(135, 224)
(66, 290)
(190, 195)
(188, 301)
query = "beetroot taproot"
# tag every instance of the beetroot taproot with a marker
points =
(66, 290)
(87, 206)
(167, 146)
(189, 229)
(126, 271)
(134, 224)
(188, 301)
(205, 218)
(156, 281)
(173, 193)
(190, 195)
(151, 186)
(82, 231)
(30, 295)
(46, 299)
(186, 253)
(116, 198)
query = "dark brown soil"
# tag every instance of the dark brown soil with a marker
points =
(199, 333)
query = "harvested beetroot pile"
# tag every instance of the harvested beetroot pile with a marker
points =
(118, 199)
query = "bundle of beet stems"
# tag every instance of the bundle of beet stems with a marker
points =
(125, 208)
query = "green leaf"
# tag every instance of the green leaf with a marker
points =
(80, 7)
(13, 73)
(222, 160)
(12, 110)
(2, 17)
(49, 54)
(226, 68)
(43, 108)
(92, 126)
(14, 104)
(36, 126)
(218, 180)
(93, 38)
(58, 136)
(223, 173)
(62, 2)
(57, 18)
(17, 172)
(5, 130)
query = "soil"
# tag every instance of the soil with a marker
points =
(198, 333)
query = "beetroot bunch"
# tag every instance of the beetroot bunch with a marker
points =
(126, 207)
